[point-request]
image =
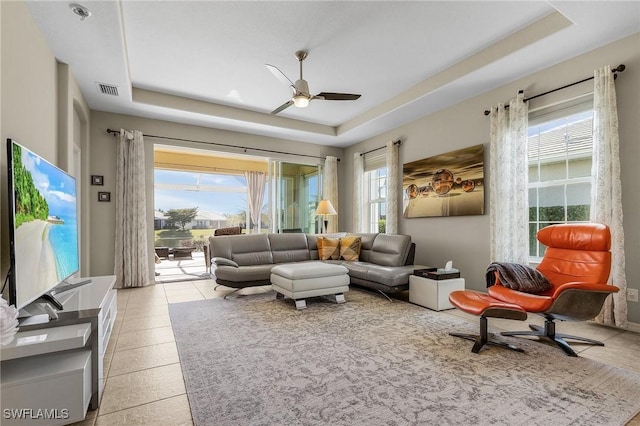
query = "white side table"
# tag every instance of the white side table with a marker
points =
(433, 294)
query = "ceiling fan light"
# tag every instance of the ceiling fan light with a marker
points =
(301, 101)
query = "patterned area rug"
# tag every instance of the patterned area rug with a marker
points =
(258, 361)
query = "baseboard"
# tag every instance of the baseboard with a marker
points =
(634, 326)
(631, 326)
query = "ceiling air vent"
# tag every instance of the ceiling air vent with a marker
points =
(107, 89)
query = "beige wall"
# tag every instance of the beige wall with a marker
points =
(465, 239)
(38, 96)
(103, 156)
(28, 98)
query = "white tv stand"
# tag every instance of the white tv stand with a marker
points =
(57, 366)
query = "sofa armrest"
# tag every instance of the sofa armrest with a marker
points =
(222, 261)
(411, 255)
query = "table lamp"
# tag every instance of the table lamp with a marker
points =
(325, 208)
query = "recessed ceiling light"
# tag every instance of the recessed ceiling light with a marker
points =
(80, 10)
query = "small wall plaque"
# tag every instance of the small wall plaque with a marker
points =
(97, 180)
(104, 196)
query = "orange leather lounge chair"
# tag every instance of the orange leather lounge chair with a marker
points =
(577, 262)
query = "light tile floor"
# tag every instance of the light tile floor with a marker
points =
(144, 383)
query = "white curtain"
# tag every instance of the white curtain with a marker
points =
(131, 255)
(393, 191)
(330, 189)
(256, 182)
(508, 193)
(358, 193)
(606, 192)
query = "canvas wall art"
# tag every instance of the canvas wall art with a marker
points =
(450, 184)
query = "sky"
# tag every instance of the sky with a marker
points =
(227, 201)
(217, 193)
(56, 186)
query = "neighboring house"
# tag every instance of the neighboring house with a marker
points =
(204, 220)
(208, 220)
(159, 220)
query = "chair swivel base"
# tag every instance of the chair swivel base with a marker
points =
(549, 332)
(483, 339)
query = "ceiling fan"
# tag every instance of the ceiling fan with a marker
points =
(301, 95)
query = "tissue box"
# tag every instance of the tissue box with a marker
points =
(443, 274)
(424, 272)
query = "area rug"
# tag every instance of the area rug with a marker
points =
(256, 360)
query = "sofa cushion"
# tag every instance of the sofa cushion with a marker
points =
(350, 248)
(390, 250)
(357, 269)
(328, 248)
(304, 270)
(312, 243)
(366, 244)
(244, 274)
(389, 275)
(290, 247)
(253, 249)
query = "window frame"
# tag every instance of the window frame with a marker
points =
(375, 205)
(536, 119)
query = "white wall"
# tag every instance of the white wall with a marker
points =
(465, 239)
(103, 156)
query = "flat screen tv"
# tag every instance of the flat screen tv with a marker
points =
(43, 225)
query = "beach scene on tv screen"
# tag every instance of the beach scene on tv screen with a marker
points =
(46, 240)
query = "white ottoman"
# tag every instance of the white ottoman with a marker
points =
(309, 279)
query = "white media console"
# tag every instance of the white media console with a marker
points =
(53, 372)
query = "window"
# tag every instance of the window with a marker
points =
(223, 194)
(560, 150)
(296, 196)
(220, 200)
(375, 196)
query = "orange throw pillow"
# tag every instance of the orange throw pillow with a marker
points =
(328, 248)
(350, 248)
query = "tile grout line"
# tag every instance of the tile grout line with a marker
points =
(146, 403)
(107, 380)
(144, 346)
(145, 369)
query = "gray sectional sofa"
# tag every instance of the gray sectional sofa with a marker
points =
(239, 261)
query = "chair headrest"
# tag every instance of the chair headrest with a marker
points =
(576, 236)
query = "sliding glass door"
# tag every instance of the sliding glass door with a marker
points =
(295, 193)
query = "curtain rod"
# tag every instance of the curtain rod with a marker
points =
(398, 142)
(172, 166)
(117, 132)
(616, 70)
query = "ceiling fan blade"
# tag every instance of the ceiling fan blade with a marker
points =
(331, 96)
(282, 107)
(280, 76)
